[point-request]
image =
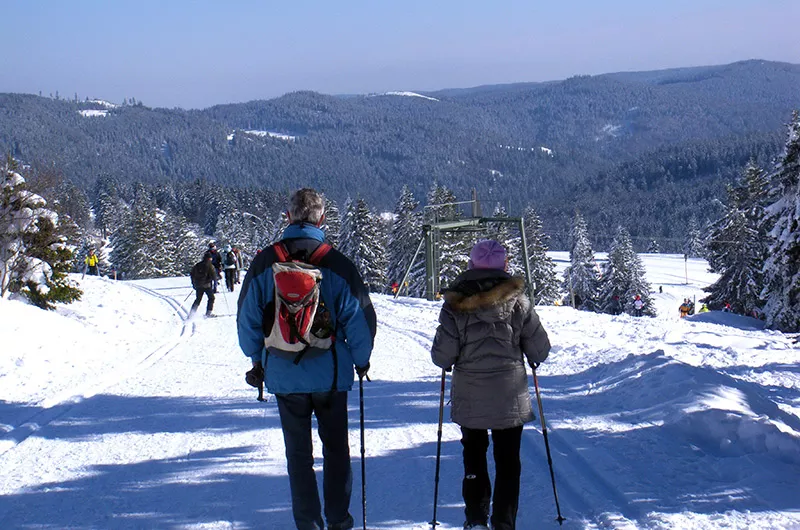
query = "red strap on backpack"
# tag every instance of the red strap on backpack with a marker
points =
(282, 253)
(319, 253)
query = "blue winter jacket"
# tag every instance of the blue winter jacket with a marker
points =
(344, 294)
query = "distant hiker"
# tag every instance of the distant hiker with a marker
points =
(691, 306)
(308, 368)
(202, 276)
(91, 263)
(638, 306)
(230, 268)
(216, 262)
(487, 330)
(703, 308)
(660, 289)
(395, 287)
(616, 307)
(684, 308)
(239, 264)
(726, 307)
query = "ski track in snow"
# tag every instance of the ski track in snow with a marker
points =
(653, 423)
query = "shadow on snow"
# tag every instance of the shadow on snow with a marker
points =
(632, 437)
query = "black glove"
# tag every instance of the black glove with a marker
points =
(362, 371)
(255, 376)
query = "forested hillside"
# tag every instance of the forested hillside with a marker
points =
(647, 150)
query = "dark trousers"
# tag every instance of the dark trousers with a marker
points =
(337, 476)
(209, 292)
(230, 277)
(92, 270)
(476, 487)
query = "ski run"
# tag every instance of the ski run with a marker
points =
(116, 412)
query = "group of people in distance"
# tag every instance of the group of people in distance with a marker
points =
(687, 308)
(638, 305)
(488, 331)
(205, 275)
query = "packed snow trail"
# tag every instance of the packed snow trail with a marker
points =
(653, 423)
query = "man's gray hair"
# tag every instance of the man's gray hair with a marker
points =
(306, 205)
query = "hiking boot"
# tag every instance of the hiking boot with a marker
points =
(347, 524)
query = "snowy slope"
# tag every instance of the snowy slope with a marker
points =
(114, 413)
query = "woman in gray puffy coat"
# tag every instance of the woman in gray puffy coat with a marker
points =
(487, 331)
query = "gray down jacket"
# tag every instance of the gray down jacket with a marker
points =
(487, 329)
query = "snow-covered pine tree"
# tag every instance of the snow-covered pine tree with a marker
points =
(543, 270)
(108, 208)
(261, 231)
(141, 244)
(333, 222)
(782, 268)
(187, 244)
(34, 256)
(623, 279)
(580, 278)
(364, 242)
(233, 227)
(403, 242)
(281, 222)
(347, 243)
(508, 236)
(453, 248)
(694, 246)
(737, 246)
(654, 247)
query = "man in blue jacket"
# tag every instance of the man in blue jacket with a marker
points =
(317, 382)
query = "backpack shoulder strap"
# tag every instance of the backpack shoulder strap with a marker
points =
(319, 253)
(281, 252)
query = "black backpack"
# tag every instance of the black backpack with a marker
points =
(198, 274)
(230, 258)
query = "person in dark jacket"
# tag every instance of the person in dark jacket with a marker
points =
(216, 261)
(203, 275)
(487, 331)
(230, 268)
(319, 382)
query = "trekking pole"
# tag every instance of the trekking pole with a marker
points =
(227, 306)
(363, 462)
(433, 522)
(187, 297)
(547, 448)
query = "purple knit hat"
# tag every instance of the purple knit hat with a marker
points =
(487, 254)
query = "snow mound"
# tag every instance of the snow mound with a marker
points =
(724, 416)
(728, 319)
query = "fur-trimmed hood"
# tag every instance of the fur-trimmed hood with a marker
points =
(501, 291)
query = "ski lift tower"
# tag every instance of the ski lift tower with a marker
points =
(435, 229)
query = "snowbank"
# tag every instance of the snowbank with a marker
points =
(728, 319)
(52, 353)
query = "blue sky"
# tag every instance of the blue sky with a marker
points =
(193, 54)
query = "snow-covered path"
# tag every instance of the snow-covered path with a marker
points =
(144, 422)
